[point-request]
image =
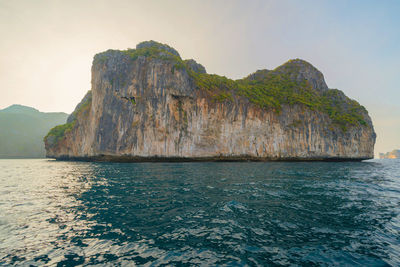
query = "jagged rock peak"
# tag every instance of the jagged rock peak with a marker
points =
(147, 49)
(258, 75)
(160, 46)
(149, 104)
(300, 70)
(194, 66)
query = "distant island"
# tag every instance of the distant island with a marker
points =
(395, 154)
(147, 104)
(22, 130)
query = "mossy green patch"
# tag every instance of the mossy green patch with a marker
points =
(59, 131)
(342, 110)
(277, 88)
(156, 51)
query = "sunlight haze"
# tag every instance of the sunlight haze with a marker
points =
(47, 47)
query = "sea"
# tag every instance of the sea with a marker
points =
(55, 213)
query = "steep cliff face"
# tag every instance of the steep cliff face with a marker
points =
(148, 104)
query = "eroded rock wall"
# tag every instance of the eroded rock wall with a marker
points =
(149, 108)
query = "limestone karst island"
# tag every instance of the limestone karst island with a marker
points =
(148, 104)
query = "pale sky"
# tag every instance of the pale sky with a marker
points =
(47, 47)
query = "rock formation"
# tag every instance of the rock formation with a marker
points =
(395, 154)
(149, 104)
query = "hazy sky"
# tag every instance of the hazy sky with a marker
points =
(47, 47)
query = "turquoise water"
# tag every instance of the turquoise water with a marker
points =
(307, 214)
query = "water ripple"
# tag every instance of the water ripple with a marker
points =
(256, 214)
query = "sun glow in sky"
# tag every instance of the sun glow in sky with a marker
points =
(47, 47)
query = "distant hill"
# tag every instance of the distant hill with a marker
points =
(22, 130)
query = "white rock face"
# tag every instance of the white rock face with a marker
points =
(147, 109)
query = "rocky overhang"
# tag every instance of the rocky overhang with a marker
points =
(147, 104)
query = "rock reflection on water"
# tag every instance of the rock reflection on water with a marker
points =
(71, 213)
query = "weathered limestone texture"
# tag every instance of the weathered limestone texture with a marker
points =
(146, 106)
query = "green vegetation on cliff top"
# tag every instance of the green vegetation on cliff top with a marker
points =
(59, 131)
(267, 89)
(277, 89)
